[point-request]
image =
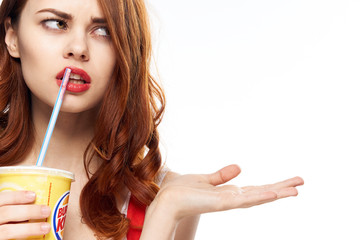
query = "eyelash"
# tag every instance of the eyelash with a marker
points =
(46, 24)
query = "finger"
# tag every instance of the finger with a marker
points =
(286, 192)
(223, 175)
(19, 213)
(256, 195)
(230, 199)
(292, 182)
(250, 200)
(16, 197)
(23, 230)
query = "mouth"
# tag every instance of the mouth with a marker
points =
(79, 80)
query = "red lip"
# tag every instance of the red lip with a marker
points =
(74, 87)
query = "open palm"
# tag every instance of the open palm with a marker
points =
(194, 194)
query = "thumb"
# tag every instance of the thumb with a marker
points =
(224, 175)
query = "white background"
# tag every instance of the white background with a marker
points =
(273, 86)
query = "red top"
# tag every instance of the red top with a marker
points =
(136, 214)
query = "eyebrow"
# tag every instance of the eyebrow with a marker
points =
(69, 16)
(98, 20)
(57, 13)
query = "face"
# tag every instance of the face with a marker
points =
(54, 34)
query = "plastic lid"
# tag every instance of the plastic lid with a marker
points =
(36, 170)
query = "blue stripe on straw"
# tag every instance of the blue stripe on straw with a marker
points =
(53, 118)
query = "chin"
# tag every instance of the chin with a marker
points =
(79, 109)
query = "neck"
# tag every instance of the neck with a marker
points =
(72, 134)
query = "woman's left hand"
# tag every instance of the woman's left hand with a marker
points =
(194, 194)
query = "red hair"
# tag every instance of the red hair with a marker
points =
(16, 129)
(126, 135)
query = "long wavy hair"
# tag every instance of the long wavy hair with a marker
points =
(126, 135)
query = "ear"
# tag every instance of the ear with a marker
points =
(11, 39)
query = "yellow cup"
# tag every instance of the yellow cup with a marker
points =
(52, 188)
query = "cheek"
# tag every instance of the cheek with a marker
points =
(35, 45)
(107, 61)
(36, 56)
(31, 66)
(108, 56)
(39, 64)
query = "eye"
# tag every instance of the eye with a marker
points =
(55, 24)
(102, 32)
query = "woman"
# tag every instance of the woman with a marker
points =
(108, 123)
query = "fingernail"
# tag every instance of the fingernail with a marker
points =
(45, 227)
(45, 210)
(30, 195)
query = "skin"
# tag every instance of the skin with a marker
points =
(44, 50)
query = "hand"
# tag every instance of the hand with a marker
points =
(16, 209)
(193, 194)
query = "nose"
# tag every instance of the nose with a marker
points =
(77, 47)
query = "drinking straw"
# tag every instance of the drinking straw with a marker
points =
(53, 117)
